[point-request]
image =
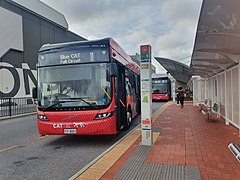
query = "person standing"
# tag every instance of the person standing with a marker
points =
(181, 95)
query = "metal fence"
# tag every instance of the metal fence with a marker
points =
(16, 106)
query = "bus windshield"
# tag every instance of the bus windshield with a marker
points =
(159, 88)
(74, 85)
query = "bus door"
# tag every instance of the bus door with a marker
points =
(121, 97)
(138, 93)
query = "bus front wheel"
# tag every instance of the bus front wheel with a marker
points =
(128, 120)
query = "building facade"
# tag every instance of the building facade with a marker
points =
(25, 26)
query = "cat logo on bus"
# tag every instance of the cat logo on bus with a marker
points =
(57, 126)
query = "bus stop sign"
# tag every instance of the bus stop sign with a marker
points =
(146, 95)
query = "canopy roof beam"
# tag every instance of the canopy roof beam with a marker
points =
(234, 57)
(235, 35)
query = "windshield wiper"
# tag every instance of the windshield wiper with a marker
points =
(54, 104)
(78, 98)
(69, 100)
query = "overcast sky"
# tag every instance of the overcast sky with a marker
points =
(169, 26)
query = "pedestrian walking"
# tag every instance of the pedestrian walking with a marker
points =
(177, 97)
(181, 94)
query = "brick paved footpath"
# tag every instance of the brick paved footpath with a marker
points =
(187, 138)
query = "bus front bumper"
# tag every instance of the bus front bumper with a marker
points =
(157, 97)
(104, 126)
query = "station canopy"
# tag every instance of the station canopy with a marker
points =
(217, 41)
(179, 71)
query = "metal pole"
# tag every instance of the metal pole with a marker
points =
(9, 106)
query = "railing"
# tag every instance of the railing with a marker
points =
(16, 106)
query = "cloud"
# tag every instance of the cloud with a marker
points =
(176, 11)
(169, 26)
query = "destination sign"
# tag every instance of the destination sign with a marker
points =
(70, 59)
(75, 56)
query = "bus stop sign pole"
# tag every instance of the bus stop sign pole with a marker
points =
(146, 95)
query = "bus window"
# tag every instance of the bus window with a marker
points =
(128, 88)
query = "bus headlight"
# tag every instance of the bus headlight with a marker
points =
(103, 115)
(42, 117)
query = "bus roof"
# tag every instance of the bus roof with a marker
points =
(159, 76)
(47, 47)
(123, 55)
(96, 43)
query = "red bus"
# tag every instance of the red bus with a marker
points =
(161, 88)
(86, 88)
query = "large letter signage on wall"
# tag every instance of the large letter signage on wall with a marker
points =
(146, 95)
(16, 82)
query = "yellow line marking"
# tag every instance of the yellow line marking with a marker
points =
(99, 168)
(12, 147)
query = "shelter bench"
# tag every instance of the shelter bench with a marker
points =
(203, 104)
(214, 110)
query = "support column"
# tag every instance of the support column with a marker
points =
(218, 89)
(225, 94)
(232, 94)
(205, 88)
(238, 98)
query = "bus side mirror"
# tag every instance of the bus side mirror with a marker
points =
(34, 92)
(113, 72)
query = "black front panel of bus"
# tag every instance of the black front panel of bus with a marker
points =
(74, 55)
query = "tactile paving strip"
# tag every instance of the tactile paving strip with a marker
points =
(135, 168)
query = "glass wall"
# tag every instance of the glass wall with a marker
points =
(224, 89)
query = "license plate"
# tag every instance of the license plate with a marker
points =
(70, 131)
